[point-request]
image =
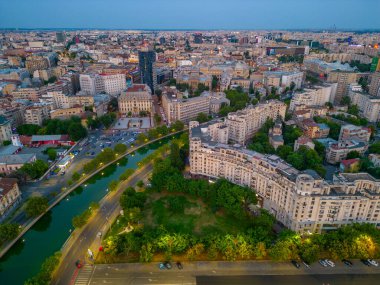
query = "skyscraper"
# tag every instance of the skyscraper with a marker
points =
(61, 37)
(147, 60)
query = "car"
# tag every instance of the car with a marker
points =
(366, 262)
(330, 263)
(162, 266)
(168, 265)
(323, 262)
(93, 153)
(306, 264)
(179, 265)
(79, 263)
(296, 264)
(373, 262)
(347, 262)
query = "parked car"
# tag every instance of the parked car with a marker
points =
(306, 264)
(323, 262)
(162, 266)
(373, 262)
(347, 262)
(296, 264)
(179, 265)
(168, 265)
(366, 262)
(330, 263)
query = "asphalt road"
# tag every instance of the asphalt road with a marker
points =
(240, 272)
(77, 246)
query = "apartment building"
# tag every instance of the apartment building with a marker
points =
(316, 96)
(5, 130)
(343, 80)
(32, 94)
(61, 100)
(66, 113)
(36, 114)
(313, 130)
(244, 123)
(114, 83)
(283, 79)
(301, 200)
(369, 106)
(374, 87)
(135, 99)
(11, 162)
(36, 62)
(358, 133)
(336, 152)
(183, 109)
(91, 83)
(10, 194)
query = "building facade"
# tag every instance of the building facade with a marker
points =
(147, 66)
(301, 200)
(135, 99)
(244, 123)
(5, 130)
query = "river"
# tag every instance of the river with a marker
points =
(49, 234)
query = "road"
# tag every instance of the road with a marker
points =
(221, 272)
(77, 245)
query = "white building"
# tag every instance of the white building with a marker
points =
(316, 96)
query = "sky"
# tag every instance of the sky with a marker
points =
(193, 14)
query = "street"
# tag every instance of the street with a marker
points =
(77, 246)
(221, 272)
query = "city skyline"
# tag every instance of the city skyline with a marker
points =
(201, 15)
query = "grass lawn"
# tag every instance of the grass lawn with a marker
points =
(196, 218)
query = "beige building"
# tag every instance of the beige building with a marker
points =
(67, 112)
(135, 99)
(337, 152)
(36, 62)
(36, 114)
(302, 201)
(12, 162)
(316, 96)
(178, 108)
(374, 87)
(5, 130)
(32, 94)
(9, 194)
(358, 133)
(244, 123)
(369, 106)
(62, 100)
(343, 79)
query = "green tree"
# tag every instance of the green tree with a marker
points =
(35, 169)
(214, 83)
(8, 231)
(35, 206)
(112, 186)
(175, 157)
(28, 129)
(177, 126)
(5, 143)
(52, 153)
(353, 154)
(157, 119)
(140, 184)
(201, 118)
(120, 148)
(75, 176)
(374, 148)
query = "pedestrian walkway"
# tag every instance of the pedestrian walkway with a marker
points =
(84, 275)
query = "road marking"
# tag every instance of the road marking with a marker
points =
(84, 275)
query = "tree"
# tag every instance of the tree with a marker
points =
(28, 129)
(157, 119)
(214, 83)
(35, 169)
(158, 92)
(35, 206)
(52, 153)
(175, 157)
(353, 154)
(345, 101)
(374, 148)
(140, 184)
(141, 138)
(132, 199)
(178, 126)
(8, 231)
(112, 186)
(75, 176)
(120, 148)
(5, 143)
(353, 110)
(202, 118)
(284, 151)
(76, 131)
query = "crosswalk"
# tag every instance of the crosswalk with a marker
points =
(84, 275)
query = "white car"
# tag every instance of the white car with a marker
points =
(373, 262)
(323, 263)
(330, 263)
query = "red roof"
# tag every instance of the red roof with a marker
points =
(348, 162)
(136, 88)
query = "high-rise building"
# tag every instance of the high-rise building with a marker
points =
(374, 87)
(61, 37)
(147, 66)
(344, 79)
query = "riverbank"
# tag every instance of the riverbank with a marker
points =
(63, 194)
